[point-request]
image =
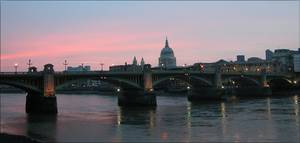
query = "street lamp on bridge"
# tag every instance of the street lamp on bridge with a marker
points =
(16, 67)
(118, 89)
(101, 66)
(65, 64)
(82, 67)
(188, 87)
(295, 81)
(29, 63)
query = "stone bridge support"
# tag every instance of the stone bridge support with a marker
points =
(44, 102)
(265, 88)
(215, 92)
(139, 97)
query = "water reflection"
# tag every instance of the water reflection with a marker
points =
(198, 114)
(205, 115)
(223, 110)
(296, 106)
(296, 109)
(98, 119)
(269, 108)
(189, 114)
(41, 127)
(204, 110)
(136, 116)
(188, 120)
(223, 118)
(141, 118)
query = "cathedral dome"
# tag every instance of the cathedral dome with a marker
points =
(167, 51)
(167, 59)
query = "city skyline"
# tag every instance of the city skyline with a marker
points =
(113, 33)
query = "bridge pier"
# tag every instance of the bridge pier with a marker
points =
(208, 93)
(38, 104)
(136, 98)
(139, 97)
(45, 102)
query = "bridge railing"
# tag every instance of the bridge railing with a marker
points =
(15, 73)
(255, 73)
(211, 71)
(95, 73)
(155, 72)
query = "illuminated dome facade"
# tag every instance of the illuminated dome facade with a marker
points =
(167, 59)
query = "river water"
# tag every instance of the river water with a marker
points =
(97, 118)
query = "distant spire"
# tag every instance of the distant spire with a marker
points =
(134, 62)
(142, 62)
(167, 43)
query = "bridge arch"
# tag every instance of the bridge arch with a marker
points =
(122, 83)
(241, 81)
(284, 80)
(280, 83)
(25, 87)
(191, 80)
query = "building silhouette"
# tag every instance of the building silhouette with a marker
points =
(167, 59)
(134, 67)
(240, 58)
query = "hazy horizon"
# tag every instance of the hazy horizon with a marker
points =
(97, 32)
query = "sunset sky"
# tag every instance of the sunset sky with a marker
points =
(113, 32)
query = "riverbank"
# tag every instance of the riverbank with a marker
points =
(9, 138)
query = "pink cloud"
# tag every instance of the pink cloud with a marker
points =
(60, 45)
(101, 47)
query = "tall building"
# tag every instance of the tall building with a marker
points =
(240, 58)
(297, 62)
(269, 55)
(286, 59)
(167, 59)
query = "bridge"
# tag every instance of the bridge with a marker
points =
(138, 88)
